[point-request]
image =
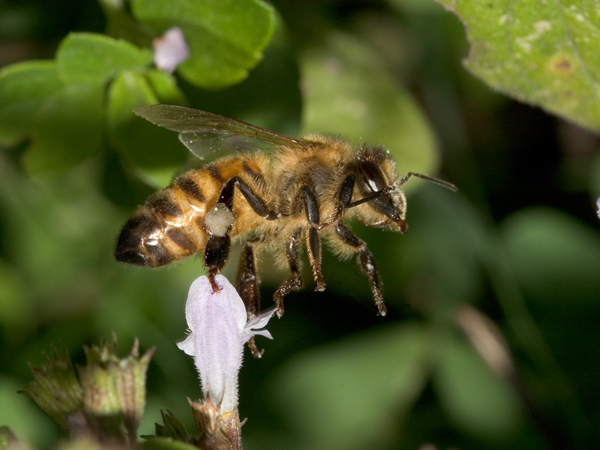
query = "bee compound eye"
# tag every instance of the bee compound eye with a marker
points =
(373, 176)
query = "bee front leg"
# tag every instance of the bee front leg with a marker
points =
(247, 287)
(295, 281)
(365, 262)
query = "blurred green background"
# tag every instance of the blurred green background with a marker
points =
(493, 295)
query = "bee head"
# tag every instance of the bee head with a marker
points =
(377, 178)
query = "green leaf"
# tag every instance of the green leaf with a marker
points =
(23, 87)
(226, 38)
(274, 82)
(348, 92)
(474, 398)
(165, 87)
(543, 53)
(556, 258)
(64, 121)
(348, 395)
(88, 57)
(154, 151)
(66, 129)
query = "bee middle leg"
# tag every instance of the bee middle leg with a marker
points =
(294, 283)
(365, 262)
(313, 244)
(313, 241)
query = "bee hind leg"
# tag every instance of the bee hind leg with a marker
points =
(215, 257)
(247, 286)
(294, 283)
(220, 219)
(366, 264)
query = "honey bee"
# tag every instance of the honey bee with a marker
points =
(295, 196)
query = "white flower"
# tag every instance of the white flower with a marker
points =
(218, 332)
(170, 49)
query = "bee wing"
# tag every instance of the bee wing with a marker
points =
(211, 145)
(209, 135)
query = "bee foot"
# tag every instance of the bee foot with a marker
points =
(215, 287)
(254, 349)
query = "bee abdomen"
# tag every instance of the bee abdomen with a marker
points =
(137, 243)
(180, 238)
(144, 241)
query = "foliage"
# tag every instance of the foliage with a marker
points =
(540, 53)
(510, 262)
(66, 98)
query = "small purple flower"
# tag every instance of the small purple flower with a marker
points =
(598, 206)
(170, 49)
(218, 332)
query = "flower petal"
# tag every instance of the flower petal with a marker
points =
(218, 332)
(256, 325)
(170, 49)
(216, 321)
(188, 346)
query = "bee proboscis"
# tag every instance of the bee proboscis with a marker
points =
(299, 193)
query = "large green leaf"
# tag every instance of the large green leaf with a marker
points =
(63, 121)
(23, 87)
(88, 57)
(68, 129)
(226, 38)
(544, 53)
(274, 82)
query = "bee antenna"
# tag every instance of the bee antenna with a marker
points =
(371, 197)
(437, 181)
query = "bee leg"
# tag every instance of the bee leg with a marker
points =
(365, 262)
(247, 287)
(343, 203)
(247, 281)
(215, 257)
(313, 242)
(218, 222)
(257, 204)
(294, 283)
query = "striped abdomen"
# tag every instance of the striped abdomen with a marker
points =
(169, 226)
